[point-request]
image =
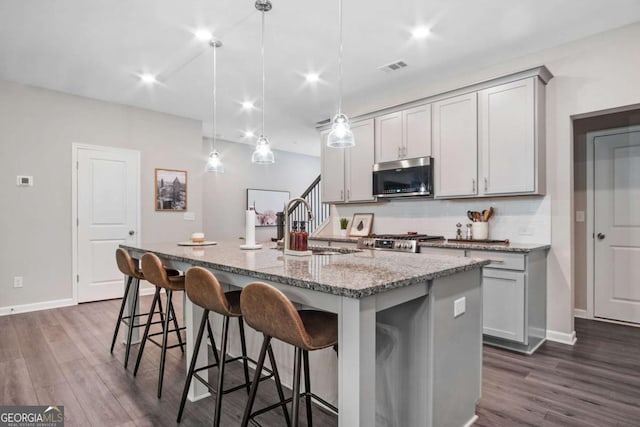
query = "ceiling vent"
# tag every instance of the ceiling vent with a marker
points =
(394, 66)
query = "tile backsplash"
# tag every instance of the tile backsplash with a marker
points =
(519, 219)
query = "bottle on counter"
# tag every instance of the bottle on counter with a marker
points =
(293, 237)
(469, 232)
(302, 237)
(458, 231)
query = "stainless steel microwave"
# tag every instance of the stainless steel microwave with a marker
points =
(402, 178)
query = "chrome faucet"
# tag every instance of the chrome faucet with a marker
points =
(287, 221)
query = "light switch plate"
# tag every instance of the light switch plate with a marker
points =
(579, 216)
(459, 306)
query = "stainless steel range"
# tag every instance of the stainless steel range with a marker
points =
(395, 242)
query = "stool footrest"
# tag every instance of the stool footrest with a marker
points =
(288, 400)
(234, 388)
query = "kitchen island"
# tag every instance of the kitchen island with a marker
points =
(428, 313)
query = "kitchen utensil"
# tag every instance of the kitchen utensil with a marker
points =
(476, 216)
(470, 215)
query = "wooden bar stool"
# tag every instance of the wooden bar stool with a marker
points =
(128, 267)
(156, 274)
(269, 311)
(204, 290)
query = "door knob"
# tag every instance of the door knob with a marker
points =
(131, 232)
(601, 236)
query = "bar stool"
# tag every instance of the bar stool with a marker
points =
(156, 274)
(128, 267)
(204, 290)
(269, 311)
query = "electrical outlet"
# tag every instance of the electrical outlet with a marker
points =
(189, 216)
(459, 306)
(525, 231)
(17, 282)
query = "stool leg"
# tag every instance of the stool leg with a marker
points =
(213, 342)
(156, 297)
(243, 345)
(161, 311)
(124, 302)
(175, 321)
(276, 377)
(192, 365)
(165, 338)
(307, 386)
(256, 381)
(223, 357)
(136, 291)
(296, 385)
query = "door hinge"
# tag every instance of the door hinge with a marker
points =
(77, 165)
(77, 222)
(77, 278)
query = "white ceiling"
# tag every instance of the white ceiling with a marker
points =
(97, 49)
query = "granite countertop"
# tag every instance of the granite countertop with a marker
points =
(354, 275)
(499, 247)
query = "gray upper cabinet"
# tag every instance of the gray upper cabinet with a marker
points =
(403, 134)
(347, 172)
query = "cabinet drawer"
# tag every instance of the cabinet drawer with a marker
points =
(501, 260)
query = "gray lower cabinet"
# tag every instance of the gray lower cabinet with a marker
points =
(514, 297)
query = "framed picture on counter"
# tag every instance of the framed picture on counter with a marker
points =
(361, 224)
(171, 190)
(266, 203)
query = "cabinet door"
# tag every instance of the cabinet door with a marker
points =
(417, 131)
(503, 304)
(359, 163)
(332, 170)
(388, 137)
(506, 115)
(455, 143)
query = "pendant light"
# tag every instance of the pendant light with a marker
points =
(215, 162)
(263, 154)
(340, 135)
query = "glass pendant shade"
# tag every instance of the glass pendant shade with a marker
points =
(262, 154)
(215, 162)
(341, 135)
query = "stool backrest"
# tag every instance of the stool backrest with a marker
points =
(154, 272)
(267, 310)
(205, 291)
(125, 263)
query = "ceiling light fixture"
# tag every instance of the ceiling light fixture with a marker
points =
(214, 164)
(420, 33)
(148, 78)
(248, 105)
(312, 77)
(203, 34)
(263, 154)
(340, 135)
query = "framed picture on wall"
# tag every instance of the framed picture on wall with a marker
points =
(171, 190)
(267, 203)
(361, 224)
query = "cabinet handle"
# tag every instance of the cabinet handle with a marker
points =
(473, 185)
(496, 261)
(342, 195)
(404, 152)
(399, 154)
(486, 185)
(349, 194)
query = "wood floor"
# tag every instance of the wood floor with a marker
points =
(62, 356)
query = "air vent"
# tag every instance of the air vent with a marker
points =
(394, 66)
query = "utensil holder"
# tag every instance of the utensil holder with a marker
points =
(480, 230)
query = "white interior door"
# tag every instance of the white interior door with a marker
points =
(617, 226)
(108, 182)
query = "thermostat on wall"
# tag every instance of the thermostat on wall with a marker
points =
(24, 181)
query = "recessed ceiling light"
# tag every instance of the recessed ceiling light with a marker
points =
(148, 78)
(312, 77)
(248, 134)
(248, 105)
(419, 33)
(203, 34)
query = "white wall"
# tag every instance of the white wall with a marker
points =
(225, 195)
(37, 128)
(593, 74)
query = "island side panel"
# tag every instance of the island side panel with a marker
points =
(455, 347)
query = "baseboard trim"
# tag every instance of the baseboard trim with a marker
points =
(45, 305)
(471, 421)
(582, 314)
(562, 337)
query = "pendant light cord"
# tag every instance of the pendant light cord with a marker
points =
(263, 79)
(215, 106)
(340, 58)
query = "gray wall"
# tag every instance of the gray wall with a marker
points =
(37, 128)
(225, 195)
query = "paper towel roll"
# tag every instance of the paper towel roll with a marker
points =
(250, 228)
